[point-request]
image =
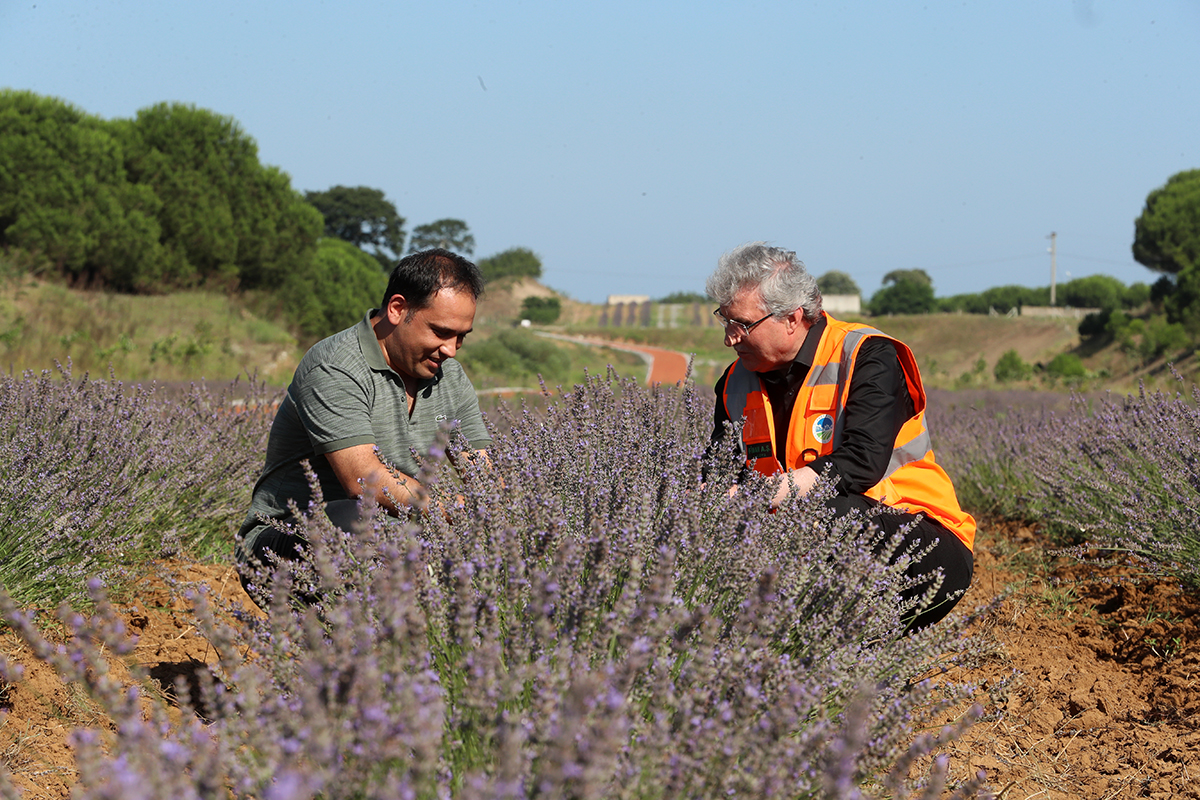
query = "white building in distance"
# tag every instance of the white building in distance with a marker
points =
(615, 299)
(841, 303)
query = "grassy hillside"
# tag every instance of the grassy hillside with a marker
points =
(175, 337)
(951, 348)
(191, 335)
(951, 345)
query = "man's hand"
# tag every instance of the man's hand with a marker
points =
(803, 479)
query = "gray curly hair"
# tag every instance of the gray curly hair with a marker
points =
(777, 273)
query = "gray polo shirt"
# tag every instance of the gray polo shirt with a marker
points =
(344, 394)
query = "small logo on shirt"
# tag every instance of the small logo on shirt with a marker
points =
(440, 418)
(823, 428)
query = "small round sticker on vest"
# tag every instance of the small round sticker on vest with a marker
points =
(823, 428)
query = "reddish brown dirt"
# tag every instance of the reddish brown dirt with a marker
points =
(1106, 697)
(669, 366)
(1104, 704)
(42, 710)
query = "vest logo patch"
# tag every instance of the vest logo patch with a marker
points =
(822, 428)
(759, 450)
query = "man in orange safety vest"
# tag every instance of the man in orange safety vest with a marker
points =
(820, 396)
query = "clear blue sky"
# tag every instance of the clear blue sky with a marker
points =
(630, 142)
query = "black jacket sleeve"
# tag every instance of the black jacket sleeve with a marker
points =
(720, 416)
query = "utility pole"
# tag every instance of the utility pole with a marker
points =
(1052, 237)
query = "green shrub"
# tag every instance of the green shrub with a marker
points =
(905, 293)
(516, 354)
(542, 310)
(1161, 337)
(998, 298)
(836, 282)
(1094, 291)
(684, 298)
(973, 378)
(1095, 324)
(1066, 365)
(516, 262)
(1011, 367)
(1149, 338)
(1136, 296)
(333, 289)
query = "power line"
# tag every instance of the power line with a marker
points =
(966, 264)
(1097, 260)
(961, 265)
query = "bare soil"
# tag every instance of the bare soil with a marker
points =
(1105, 665)
(1092, 692)
(40, 711)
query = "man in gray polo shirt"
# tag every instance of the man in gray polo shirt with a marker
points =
(390, 382)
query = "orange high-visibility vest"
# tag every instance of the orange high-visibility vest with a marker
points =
(913, 480)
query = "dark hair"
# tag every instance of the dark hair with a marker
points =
(419, 276)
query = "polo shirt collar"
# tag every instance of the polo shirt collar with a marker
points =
(369, 344)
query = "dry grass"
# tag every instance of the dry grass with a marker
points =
(177, 337)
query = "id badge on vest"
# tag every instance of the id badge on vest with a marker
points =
(756, 434)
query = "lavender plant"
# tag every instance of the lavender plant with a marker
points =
(990, 453)
(97, 476)
(579, 618)
(1117, 473)
(1126, 477)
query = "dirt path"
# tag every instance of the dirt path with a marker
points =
(667, 367)
(662, 366)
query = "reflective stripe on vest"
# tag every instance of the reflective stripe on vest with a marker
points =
(914, 450)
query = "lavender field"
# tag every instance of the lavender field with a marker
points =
(1114, 474)
(583, 618)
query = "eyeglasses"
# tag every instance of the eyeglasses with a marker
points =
(746, 327)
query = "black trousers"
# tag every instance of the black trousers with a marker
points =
(949, 555)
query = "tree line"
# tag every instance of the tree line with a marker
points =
(1148, 321)
(177, 198)
(1166, 241)
(910, 291)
